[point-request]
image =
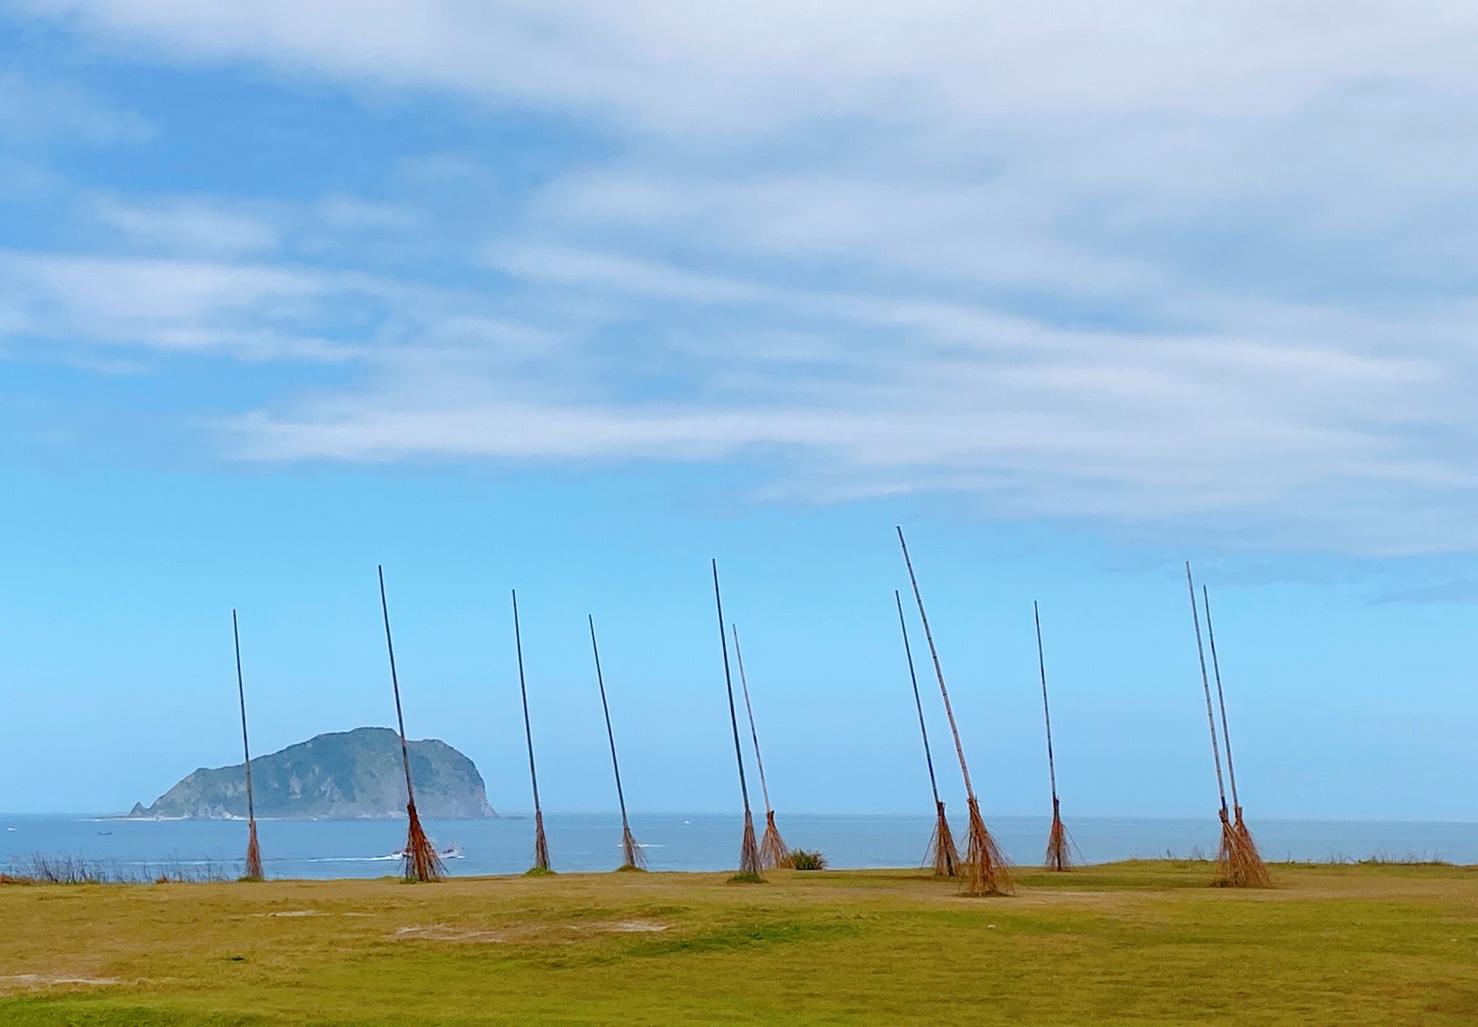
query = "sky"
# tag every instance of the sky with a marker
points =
(573, 299)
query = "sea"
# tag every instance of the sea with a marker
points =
(141, 849)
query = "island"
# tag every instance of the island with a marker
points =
(344, 775)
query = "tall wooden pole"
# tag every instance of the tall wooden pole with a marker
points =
(1221, 700)
(942, 854)
(541, 844)
(252, 869)
(421, 860)
(631, 852)
(988, 870)
(1046, 710)
(749, 857)
(1206, 687)
(918, 702)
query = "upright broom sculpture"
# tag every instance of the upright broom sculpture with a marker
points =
(541, 844)
(1228, 852)
(773, 850)
(942, 854)
(421, 861)
(1058, 843)
(634, 858)
(252, 869)
(750, 865)
(987, 867)
(1250, 866)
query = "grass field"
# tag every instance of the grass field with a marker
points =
(1134, 942)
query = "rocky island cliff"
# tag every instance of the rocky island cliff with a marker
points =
(343, 775)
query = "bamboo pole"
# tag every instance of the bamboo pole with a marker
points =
(750, 866)
(541, 844)
(1249, 868)
(421, 861)
(941, 854)
(252, 868)
(773, 850)
(988, 870)
(1229, 846)
(633, 857)
(1058, 844)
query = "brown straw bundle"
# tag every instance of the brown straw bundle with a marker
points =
(988, 873)
(252, 867)
(941, 855)
(750, 864)
(421, 861)
(1059, 856)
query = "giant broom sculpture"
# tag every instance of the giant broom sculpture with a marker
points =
(1250, 868)
(1058, 843)
(988, 870)
(252, 869)
(942, 854)
(1228, 858)
(421, 861)
(541, 844)
(773, 850)
(749, 852)
(634, 858)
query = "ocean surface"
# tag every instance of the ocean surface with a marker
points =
(591, 842)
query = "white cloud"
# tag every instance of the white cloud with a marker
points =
(189, 224)
(1154, 265)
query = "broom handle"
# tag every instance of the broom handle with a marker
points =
(1221, 698)
(1206, 687)
(528, 731)
(753, 734)
(251, 813)
(729, 684)
(610, 734)
(938, 671)
(918, 703)
(1046, 710)
(405, 756)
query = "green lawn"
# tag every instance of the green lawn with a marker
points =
(1134, 942)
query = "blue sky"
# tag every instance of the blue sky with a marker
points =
(526, 295)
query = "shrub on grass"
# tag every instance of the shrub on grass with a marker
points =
(801, 859)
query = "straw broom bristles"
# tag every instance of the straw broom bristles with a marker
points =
(750, 862)
(633, 856)
(1059, 855)
(1250, 869)
(773, 850)
(421, 860)
(541, 843)
(942, 856)
(252, 870)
